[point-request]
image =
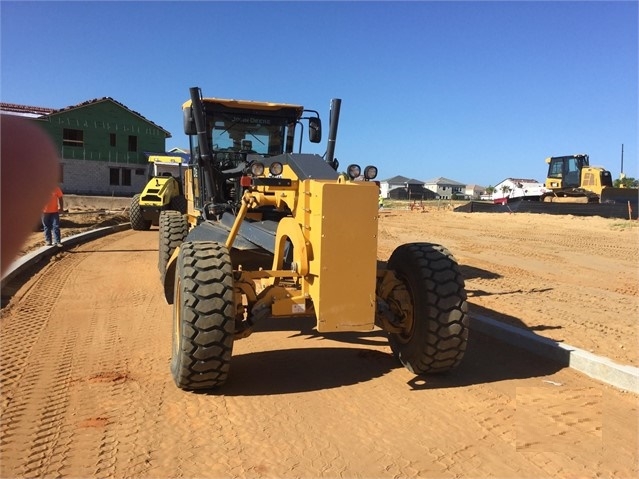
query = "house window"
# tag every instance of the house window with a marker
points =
(112, 139)
(140, 172)
(133, 143)
(114, 176)
(126, 177)
(71, 137)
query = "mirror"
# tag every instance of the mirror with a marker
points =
(314, 130)
(189, 122)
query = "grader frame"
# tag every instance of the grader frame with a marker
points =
(273, 233)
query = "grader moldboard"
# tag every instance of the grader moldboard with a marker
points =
(272, 233)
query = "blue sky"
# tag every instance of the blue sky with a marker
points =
(471, 91)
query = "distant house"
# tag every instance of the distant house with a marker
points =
(515, 188)
(445, 189)
(179, 151)
(402, 188)
(474, 192)
(102, 144)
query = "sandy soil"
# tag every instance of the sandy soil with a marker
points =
(571, 279)
(86, 389)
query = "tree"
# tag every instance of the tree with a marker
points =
(626, 182)
(490, 190)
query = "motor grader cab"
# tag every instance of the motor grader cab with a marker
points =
(285, 234)
(163, 191)
(573, 180)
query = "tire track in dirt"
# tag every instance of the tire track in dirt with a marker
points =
(118, 406)
(58, 374)
(40, 374)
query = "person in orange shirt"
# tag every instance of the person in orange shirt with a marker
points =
(51, 217)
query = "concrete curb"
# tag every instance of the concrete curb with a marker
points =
(597, 367)
(28, 260)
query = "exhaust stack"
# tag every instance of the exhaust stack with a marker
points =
(200, 125)
(332, 130)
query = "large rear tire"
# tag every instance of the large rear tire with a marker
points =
(172, 231)
(203, 316)
(436, 320)
(138, 222)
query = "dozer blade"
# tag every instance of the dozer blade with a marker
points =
(619, 195)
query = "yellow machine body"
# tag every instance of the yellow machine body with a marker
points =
(164, 182)
(333, 233)
(345, 254)
(272, 233)
(162, 192)
(332, 247)
(159, 191)
(573, 180)
(330, 225)
(191, 190)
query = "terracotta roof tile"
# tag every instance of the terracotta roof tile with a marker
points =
(34, 110)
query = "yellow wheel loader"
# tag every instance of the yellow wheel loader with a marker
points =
(571, 179)
(272, 233)
(164, 191)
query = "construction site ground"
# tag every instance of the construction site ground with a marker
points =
(87, 392)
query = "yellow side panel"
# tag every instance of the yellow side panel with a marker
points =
(191, 191)
(591, 180)
(343, 234)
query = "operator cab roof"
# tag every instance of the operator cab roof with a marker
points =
(225, 105)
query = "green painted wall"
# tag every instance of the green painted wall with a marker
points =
(98, 121)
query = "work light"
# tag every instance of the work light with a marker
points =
(353, 171)
(370, 172)
(257, 168)
(276, 168)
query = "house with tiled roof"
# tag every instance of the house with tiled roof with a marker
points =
(103, 145)
(24, 110)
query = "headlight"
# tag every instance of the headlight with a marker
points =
(276, 168)
(370, 172)
(257, 169)
(353, 171)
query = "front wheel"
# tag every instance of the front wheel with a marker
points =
(172, 231)
(138, 222)
(429, 302)
(203, 316)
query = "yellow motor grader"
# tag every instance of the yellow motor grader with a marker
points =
(272, 233)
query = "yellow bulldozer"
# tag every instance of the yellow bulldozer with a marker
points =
(273, 233)
(571, 179)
